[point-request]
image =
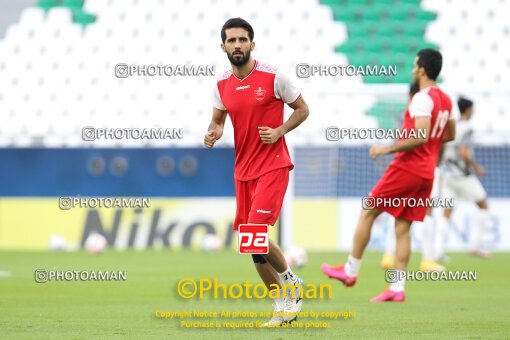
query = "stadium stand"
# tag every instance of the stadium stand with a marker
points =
(57, 63)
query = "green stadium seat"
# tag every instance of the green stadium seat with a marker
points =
(385, 29)
(347, 48)
(366, 28)
(426, 16)
(330, 2)
(46, 4)
(371, 13)
(358, 2)
(400, 28)
(399, 14)
(383, 32)
(73, 3)
(343, 13)
(379, 45)
(392, 58)
(355, 45)
(82, 18)
(416, 28)
(365, 59)
(387, 112)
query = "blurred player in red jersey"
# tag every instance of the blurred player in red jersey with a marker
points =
(429, 235)
(253, 94)
(410, 175)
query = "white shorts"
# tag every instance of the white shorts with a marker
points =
(466, 188)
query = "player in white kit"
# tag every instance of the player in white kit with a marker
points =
(459, 171)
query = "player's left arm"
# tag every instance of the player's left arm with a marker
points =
(285, 90)
(301, 112)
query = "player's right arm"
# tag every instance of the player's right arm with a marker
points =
(215, 130)
(420, 123)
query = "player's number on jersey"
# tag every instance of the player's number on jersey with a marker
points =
(441, 120)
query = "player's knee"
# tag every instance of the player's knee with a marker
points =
(370, 213)
(257, 258)
(402, 227)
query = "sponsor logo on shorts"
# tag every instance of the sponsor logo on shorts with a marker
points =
(260, 211)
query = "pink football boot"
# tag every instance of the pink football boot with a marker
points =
(338, 272)
(390, 296)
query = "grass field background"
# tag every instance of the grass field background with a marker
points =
(80, 310)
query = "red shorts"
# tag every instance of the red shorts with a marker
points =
(400, 185)
(260, 200)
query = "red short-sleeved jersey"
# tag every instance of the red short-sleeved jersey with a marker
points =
(429, 102)
(255, 101)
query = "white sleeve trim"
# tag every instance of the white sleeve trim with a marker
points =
(284, 89)
(421, 105)
(217, 103)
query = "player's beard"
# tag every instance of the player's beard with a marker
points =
(241, 61)
(416, 82)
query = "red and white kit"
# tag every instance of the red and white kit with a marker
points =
(411, 174)
(261, 170)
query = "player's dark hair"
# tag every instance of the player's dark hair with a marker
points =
(464, 104)
(432, 61)
(413, 89)
(237, 23)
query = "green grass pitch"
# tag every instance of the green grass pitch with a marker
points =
(82, 310)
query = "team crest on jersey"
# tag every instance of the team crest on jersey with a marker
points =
(260, 93)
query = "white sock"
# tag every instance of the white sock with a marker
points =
(399, 285)
(481, 223)
(352, 266)
(442, 225)
(427, 226)
(288, 276)
(390, 243)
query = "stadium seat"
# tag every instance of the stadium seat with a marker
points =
(47, 4)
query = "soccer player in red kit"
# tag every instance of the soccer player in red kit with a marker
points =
(253, 94)
(410, 175)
